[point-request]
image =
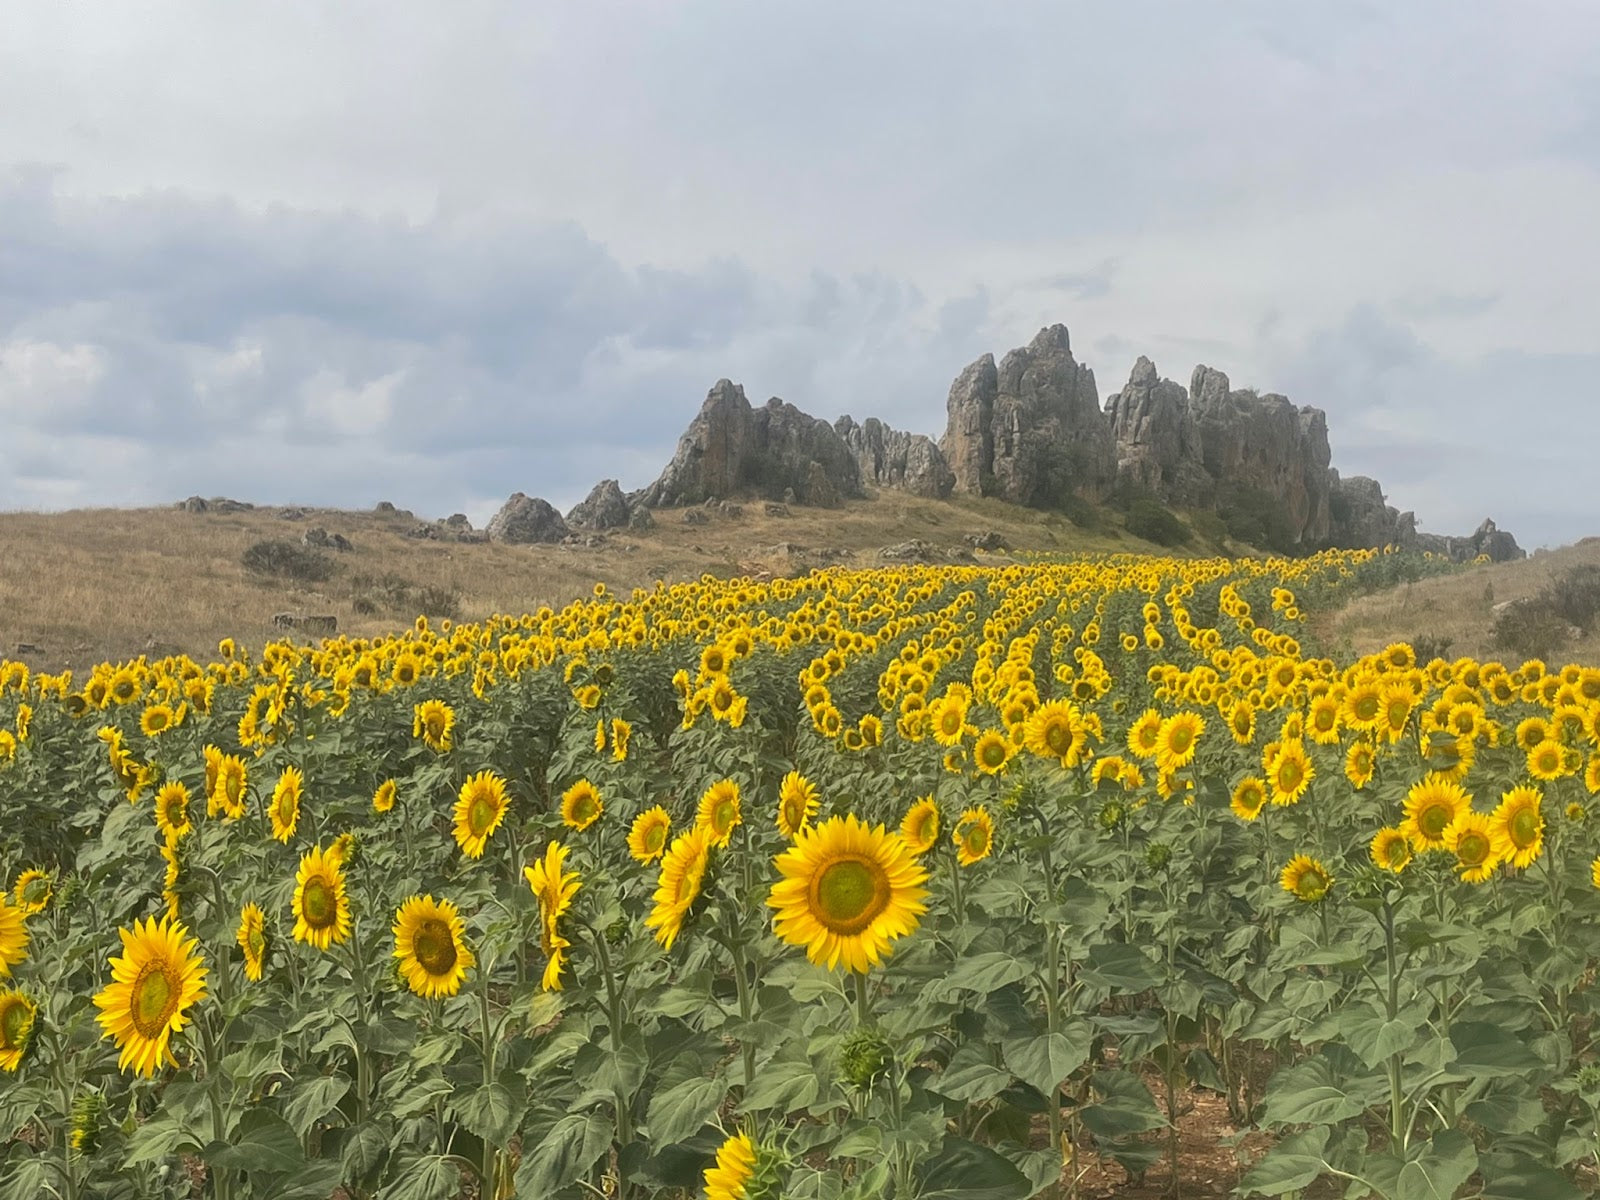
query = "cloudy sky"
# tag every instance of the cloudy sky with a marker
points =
(337, 253)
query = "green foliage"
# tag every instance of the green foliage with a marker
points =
(1153, 521)
(284, 560)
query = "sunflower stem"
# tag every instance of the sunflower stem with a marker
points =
(488, 1044)
(624, 1118)
(863, 1001)
(741, 983)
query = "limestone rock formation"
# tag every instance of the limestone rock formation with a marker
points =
(1360, 516)
(1157, 440)
(525, 520)
(1029, 431)
(891, 458)
(730, 448)
(604, 508)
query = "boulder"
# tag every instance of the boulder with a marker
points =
(604, 508)
(1157, 440)
(1029, 431)
(194, 504)
(1360, 517)
(525, 520)
(457, 521)
(1495, 542)
(221, 504)
(891, 458)
(639, 517)
(318, 538)
(988, 541)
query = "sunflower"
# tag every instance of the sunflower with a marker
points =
(949, 717)
(991, 752)
(847, 892)
(1306, 879)
(1177, 739)
(581, 805)
(32, 891)
(321, 908)
(555, 887)
(13, 935)
(159, 976)
(1548, 761)
(621, 733)
(252, 939)
(647, 839)
(428, 941)
(1248, 798)
(172, 811)
(1056, 730)
(1242, 722)
(1144, 736)
(383, 798)
(973, 836)
(434, 721)
(1397, 701)
(1322, 719)
(1363, 706)
(17, 1013)
(736, 1164)
(1591, 775)
(157, 719)
(719, 811)
(229, 796)
(1432, 804)
(284, 808)
(1289, 771)
(797, 804)
(480, 807)
(1391, 849)
(920, 829)
(683, 870)
(1518, 826)
(1359, 761)
(1470, 839)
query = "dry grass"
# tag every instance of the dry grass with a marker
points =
(91, 585)
(1459, 607)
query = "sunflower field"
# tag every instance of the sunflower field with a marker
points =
(924, 882)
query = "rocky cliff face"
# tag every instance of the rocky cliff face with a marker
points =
(1157, 440)
(891, 458)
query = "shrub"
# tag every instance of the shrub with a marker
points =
(1079, 511)
(433, 601)
(1575, 595)
(1209, 526)
(1254, 517)
(1429, 646)
(285, 560)
(1154, 522)
(1532, 628)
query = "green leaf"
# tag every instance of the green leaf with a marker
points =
(1046, 1060)
(1118, 967)
(157, 1139)
(1507, 1112)
(1519, 1177)
(680, 1111)
(314, 1180)
(1292, 1164)
(1485, 1051)
(1373, 1036)
(419, 1097)
(1307, 1094)
(984, 973)
(365, 1147)
(429, 1177)
(564, 1154)
(1447, 1161)
(264, 1142)
(491, 1113)
(971, 1083)
(313, 1100)
(784, 1086)
(964, 1170)
(27, 1180)
(1126, 1108)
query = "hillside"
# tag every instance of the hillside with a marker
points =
(89, 585)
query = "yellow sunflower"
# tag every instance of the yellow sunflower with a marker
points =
(991, 752)
(1177, 738)
(1359, 762)
(480, 807)
(1397, 700)
(621, 734)
(321, 907)
(581, 805)
(1144, 736)
(13, 935)
(172, 811)
(973, 836)
(555, 887)
(1469, 838)
(17, 1014)
(1363, 706)
(647, 839)
(383, 798)
(433, 721)
(847, 892)
(1289, 772)
(797, 804)
(33, 891)
(1517, 825)
(1248, 798)
(736, 1164)
(252, 939)
(1242, 722)
(229, 796)
(1056, 730)
(1391, 849)
(719, 811)
(920, 829)
(1432, 804)
(284, 808)
(159, 976)
(1306, 879)
(683, 871)
(1548, 761)
(949, 717)
(429, 941)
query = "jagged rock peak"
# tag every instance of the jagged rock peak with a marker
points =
(891, 458)
(526, 519)
(604, 508)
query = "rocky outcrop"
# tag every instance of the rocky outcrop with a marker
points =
(891, 458)
(604, 508)
(1157, 439)
(730, 448)
(1360, 516)
(1029, 431)
(1487, 540)
(525, 520)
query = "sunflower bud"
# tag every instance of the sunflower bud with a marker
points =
(87, 1111)
(865, 1055)
(1589, 1080)
(69, 891)
(603, 674)
(1157, 856)
(1111, 816)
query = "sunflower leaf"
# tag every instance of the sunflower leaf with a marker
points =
(681, 1110)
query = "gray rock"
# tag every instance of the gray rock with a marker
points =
(890, 458)
(384, 507)
(639, 517)
(1499, 545)
(774, 509)
(194, 504)
(988, 541)
(731, 510)
(292, 513)
(695, 516)
(221, 504)
(526, 520)
(604, 508)
(457, 521)
(1360, 516)
(1157, 439)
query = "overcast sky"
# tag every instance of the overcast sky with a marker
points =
(337, 253)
